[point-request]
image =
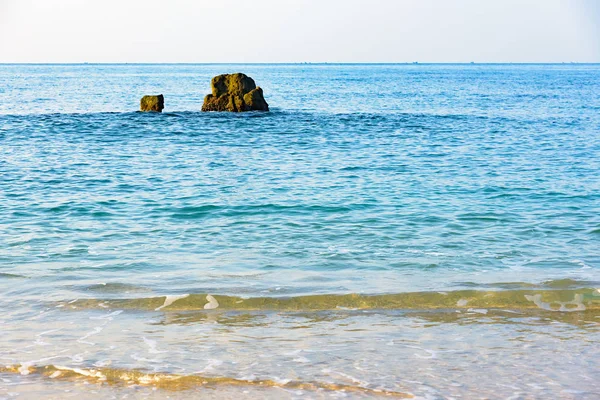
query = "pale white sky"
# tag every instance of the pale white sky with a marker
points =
(299, 30)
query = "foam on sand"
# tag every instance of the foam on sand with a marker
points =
(169, 381)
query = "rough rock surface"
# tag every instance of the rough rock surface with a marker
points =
(236, 93)
(152, 103)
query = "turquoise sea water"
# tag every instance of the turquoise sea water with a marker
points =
(425, 205)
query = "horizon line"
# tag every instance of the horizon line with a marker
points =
(305, 63)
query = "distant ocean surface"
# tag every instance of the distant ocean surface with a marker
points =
(402, 230)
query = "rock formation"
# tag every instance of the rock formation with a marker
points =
(236, 93)
(152, 103)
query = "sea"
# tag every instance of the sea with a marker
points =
(427, 231)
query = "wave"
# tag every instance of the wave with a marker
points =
(10, 276)
(566, 283)
(177, 382)
(558, 300)
(123, 118)
(197, 212)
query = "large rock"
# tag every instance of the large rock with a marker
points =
(152, 103)
(236, 93)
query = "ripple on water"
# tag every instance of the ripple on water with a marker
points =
(328, 239)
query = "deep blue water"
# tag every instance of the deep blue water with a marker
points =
(363, 178)
(371, 179)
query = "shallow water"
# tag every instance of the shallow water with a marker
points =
(385, 230)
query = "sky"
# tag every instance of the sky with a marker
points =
(265, 31)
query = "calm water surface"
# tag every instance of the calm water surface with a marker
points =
(387, 230)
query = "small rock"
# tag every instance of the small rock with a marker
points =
(152, 103)
(235, 93)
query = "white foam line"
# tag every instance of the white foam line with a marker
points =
(432, 354)
(24, 368)
(152, 346)
(478, 310)
(47, 332)
(212, 303)
(351, 378)
(92, 333)
(512, 311)
(109, 316)
(91, 373)
(577, 302)
(170, 300)
(210, 366)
